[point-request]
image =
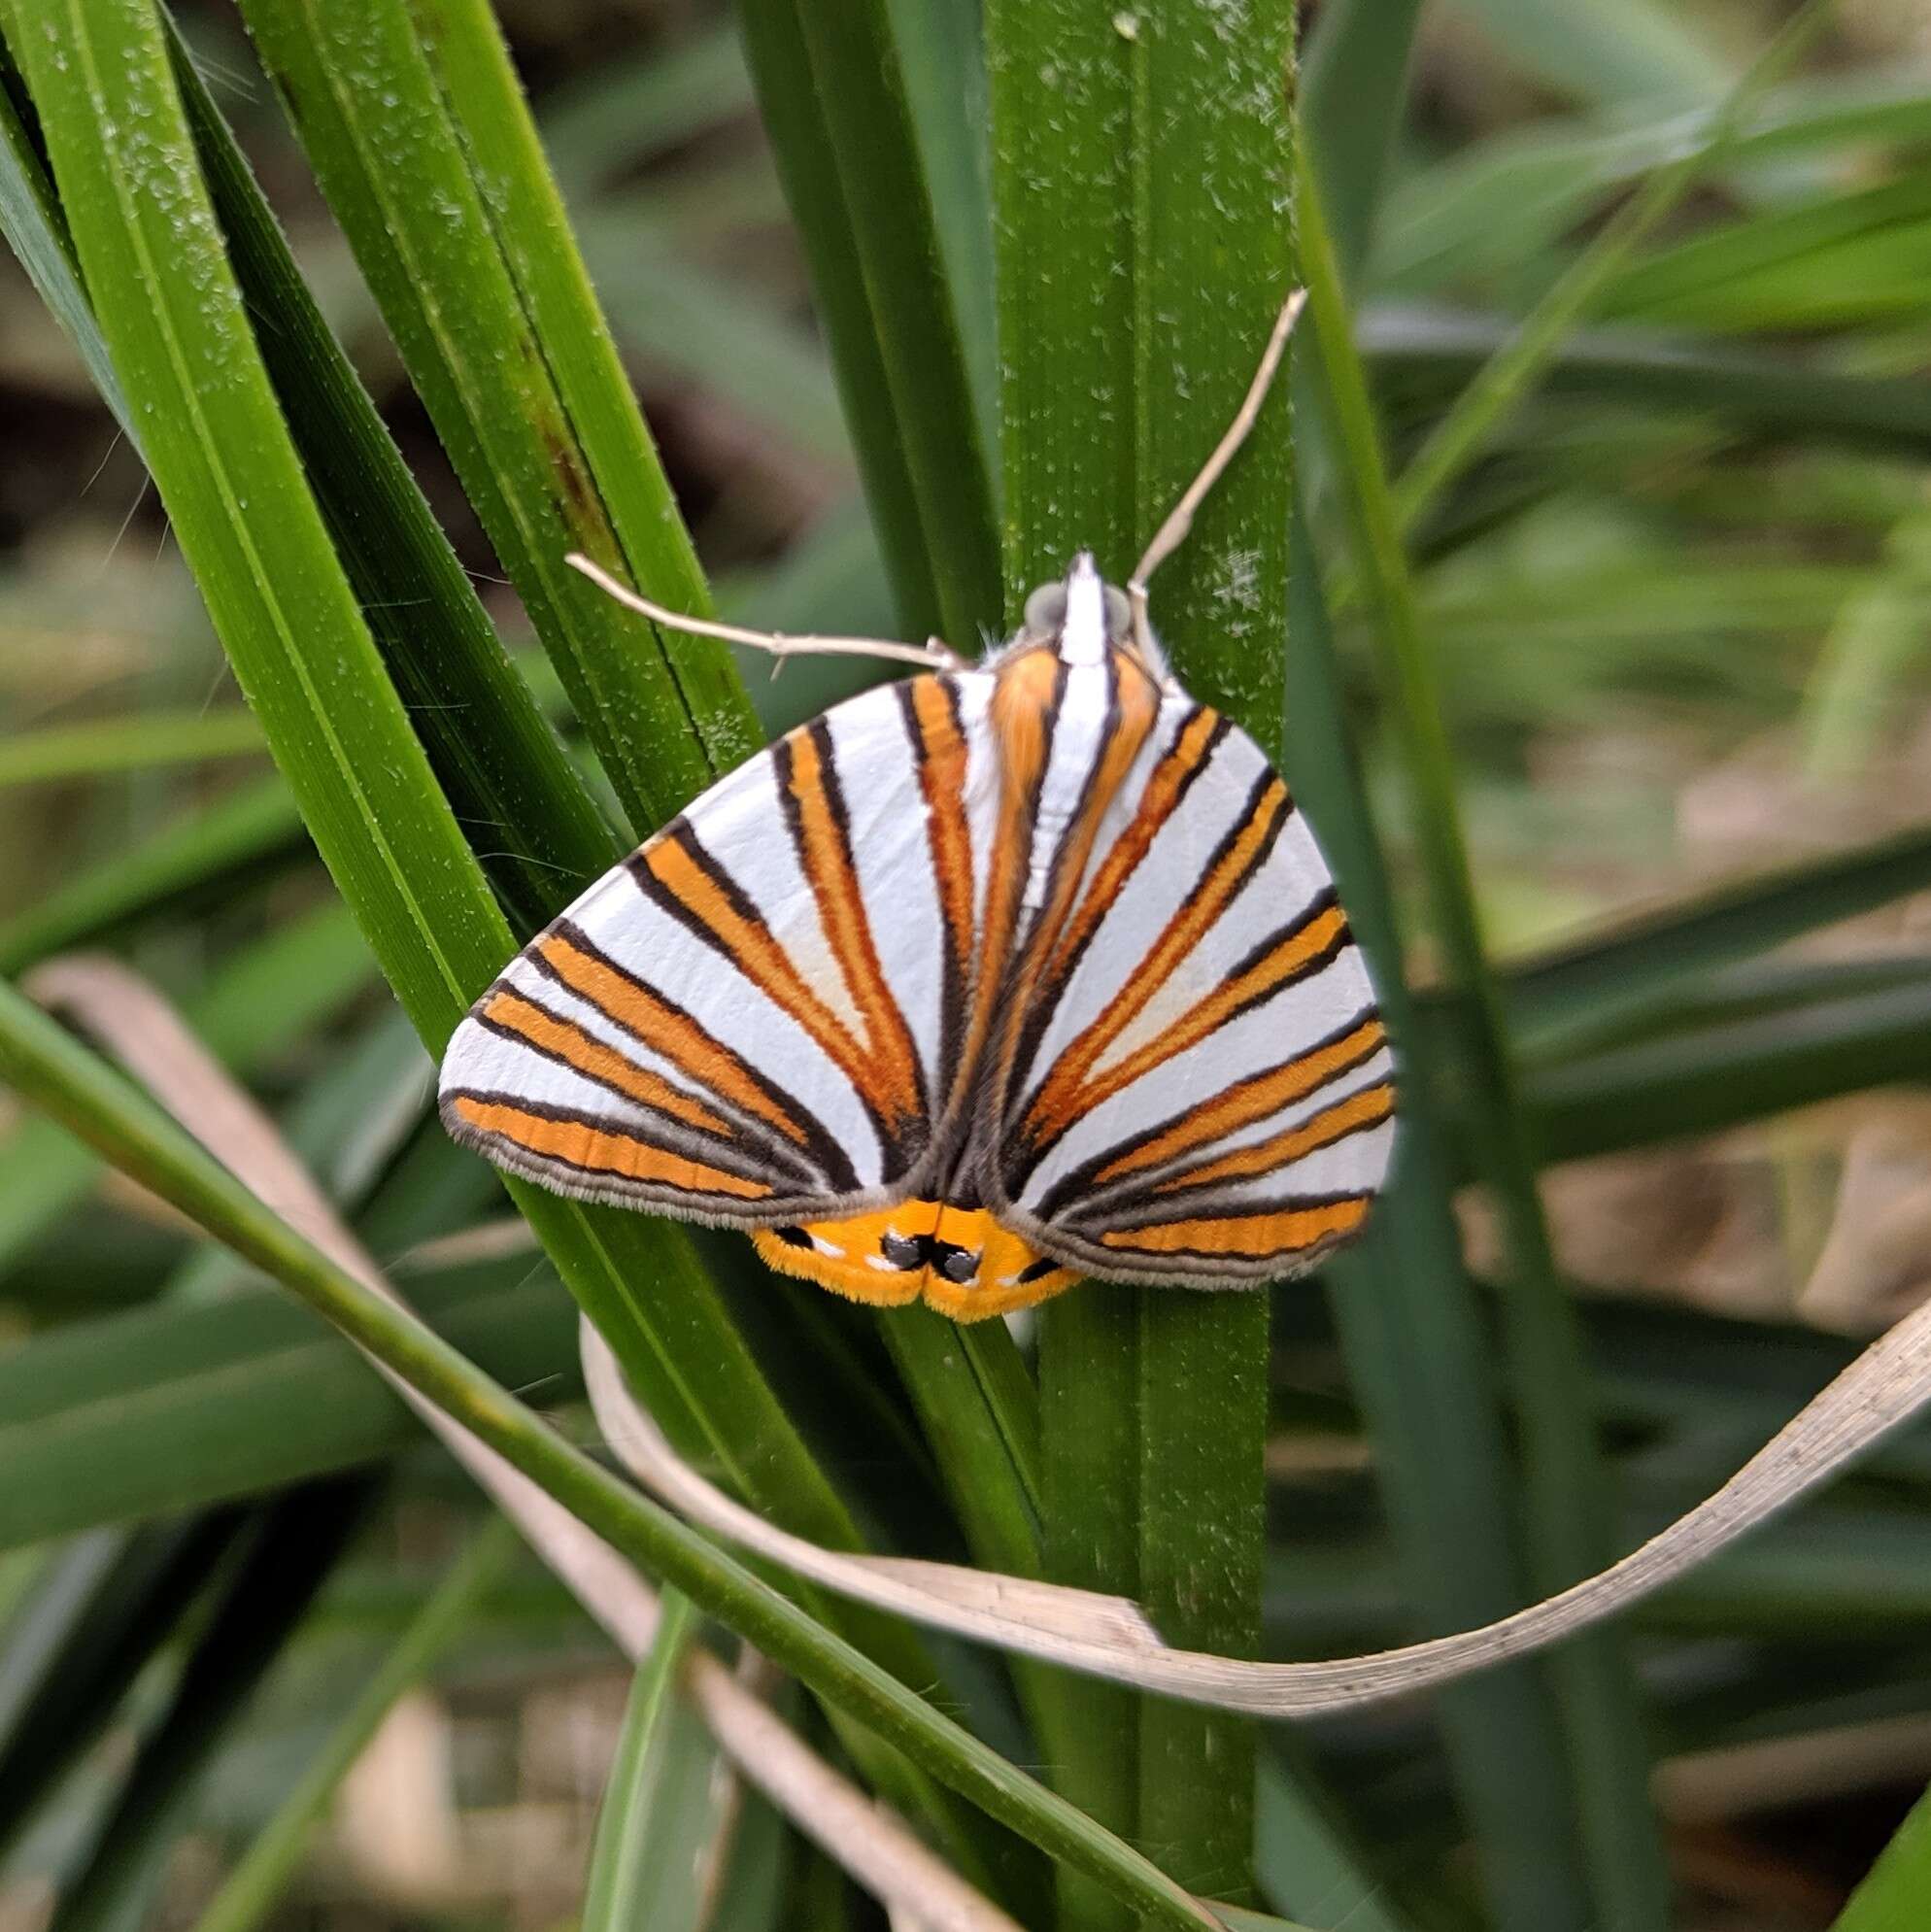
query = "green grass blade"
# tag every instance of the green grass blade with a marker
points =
(1726, 1071)
(109, 1631)
(1141, 258)
(839, 105)
(1436, 351)
(44, 1590)
(1872, 642)
(175, 1408)
(1895, 1894)
(247, 832)
(50, 1069)
(171, 313)
(506, 776)
(618, 113)
(1417, 1341)
(31, 220)
(1306, 1865)
(250, 1892)
(417, 142)
(1597, 983)
(1484, 208)
(684, 319)
(1500, 386)
(983, 1426)
(1642, 54)
(284, 1559)
(143, 743)
(1353, 89)
(1566, 1514)
(501, 762)
(1843, 260)
(646, 1863)
(492, 120)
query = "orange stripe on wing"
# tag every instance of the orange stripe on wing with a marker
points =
(759, 957)
(1250, 1237)
(942, 779)
(1032, 993)
(825, 853)
(672, 1033)
(1136, 704)
(1023, 705)
(1165, 787)
(599, 1150)
(1251, 1099)
(590, 1055)
(1280, 964)
(1367, 1108)
(1061, 1095)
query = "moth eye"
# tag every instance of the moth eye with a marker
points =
(902, 1250)
(1045, 611)
(1119, 613)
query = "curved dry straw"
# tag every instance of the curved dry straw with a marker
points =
(1108, 1637)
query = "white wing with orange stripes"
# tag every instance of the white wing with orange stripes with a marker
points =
(1200, 1088)
(757, 1018)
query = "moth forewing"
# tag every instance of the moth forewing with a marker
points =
(980, 982)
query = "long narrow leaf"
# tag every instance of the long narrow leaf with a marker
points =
(1509, 373)
(1776, 396)
(283, 1561)
(1417, 1345)
(839, 105)
(647, 1863)
(468, 300)
(1566, 1506)
(1138, 276)
(109, 1631)
(250, 1892)
(175, 1408)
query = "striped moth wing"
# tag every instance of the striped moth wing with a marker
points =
(1200, 1089)
(756, 1019)
(976, 984)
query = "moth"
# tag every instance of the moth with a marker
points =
(998, 977)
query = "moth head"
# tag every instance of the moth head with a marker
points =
(1080, 617)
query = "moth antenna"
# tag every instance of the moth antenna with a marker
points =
(1173, 533)
(931, 655)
